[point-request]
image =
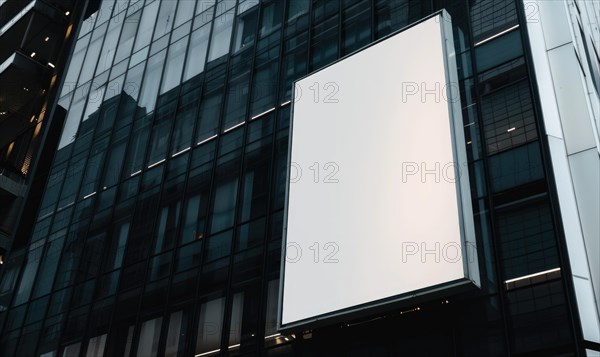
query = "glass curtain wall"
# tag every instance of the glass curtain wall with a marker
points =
(160, 227)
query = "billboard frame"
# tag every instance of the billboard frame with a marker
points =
(466, 223)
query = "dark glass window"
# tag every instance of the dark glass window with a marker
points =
(92, 256)
(324, 45)
(161, 133)
(208, 120)
(71, 255)
(245, 28)
(142, 226)
(489, 17)
(137, 146)
(236, 102)
(149, 337)
(297, 8)
(527, 240)
(34, 257)
(272, 14)
(356, 26)
(516, 167)
(210, 324)
(264, 85)
(255, 182)
(183, 130)
(392, 15)
(508, 117)
(94, 167)
(177, 333)
(189, 256)
(498, 51)
(49, 263)
(539, 317)
(223, 211)
(118, 243)
(72, 180)
(55, 180)
(115, 158)
(168, 220)
(294, 62)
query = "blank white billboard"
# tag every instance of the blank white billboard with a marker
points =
(378, 201)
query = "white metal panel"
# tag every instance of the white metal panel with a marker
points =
(572, 104)
(542, 71)
(568, 208)
(555, 22)
(586, 306)
(585, 168)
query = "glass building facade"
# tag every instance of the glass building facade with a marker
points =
(160, 228)
(35, 42)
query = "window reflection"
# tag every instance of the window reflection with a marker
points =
(174, 65)
(221, 36)
(91, 58)
(110, 45)
(264, 87)
(165, 19)
(236, 102)
(492, 16)
(223, 211)
(49, 263)
(210, 325)
(96, 346)
(119, 242)
(272, 14)
(159, 142)
(127, 36)
(210, 109)
(197, 52)
(508, 117)
(245, 28)
(185, 11)
(272, 306)
(75, 66)
(149, 90)
(527, 240)
(183, 133)
(137, 146)
(235, 327)
(112, 172)
(146, 25)
(149, 337)
(191, 216)
(28, 278)
(72, 350)
(175, 342)
(167, 226)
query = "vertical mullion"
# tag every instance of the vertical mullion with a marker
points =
(228, 290)
(493, 225)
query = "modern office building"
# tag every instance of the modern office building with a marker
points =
(160, 227)
(35, 43)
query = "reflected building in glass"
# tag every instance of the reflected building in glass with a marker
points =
(160, 226)
(36, 38)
